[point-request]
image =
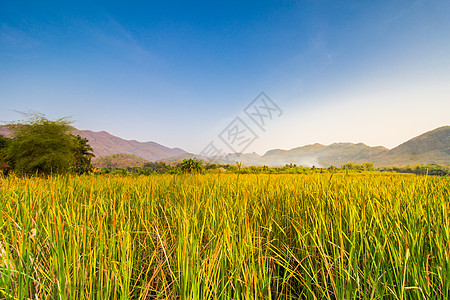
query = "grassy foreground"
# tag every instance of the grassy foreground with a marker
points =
(357, 236)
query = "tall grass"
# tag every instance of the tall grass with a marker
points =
(357, 236)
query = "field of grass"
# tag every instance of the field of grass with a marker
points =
(318, 236)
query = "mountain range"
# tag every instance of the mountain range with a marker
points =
(430, 147)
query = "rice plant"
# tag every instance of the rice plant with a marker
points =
(225, 236)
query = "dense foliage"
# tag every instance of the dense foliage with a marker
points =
(225, 236)
(42, 146)
(83, 154)
(119, 161)
(431, 169)
(190, 165)
(4, 161)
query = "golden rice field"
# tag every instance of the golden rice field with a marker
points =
(217, 236)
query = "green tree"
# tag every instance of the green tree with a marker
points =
(158, 167)
(43, 146)
(332, 169)
(368, 166)
(349, 166)
(83, 154)
(190, 165)
(5, 164)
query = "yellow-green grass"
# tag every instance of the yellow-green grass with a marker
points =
(320, 236)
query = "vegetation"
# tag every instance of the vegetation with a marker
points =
(120, 161)
(219, 236)
(431, 169)
(362, 167)
(156, 167)
(4, 162)
(190, 165)
(42, 146)
(83, 154)
(148, 168)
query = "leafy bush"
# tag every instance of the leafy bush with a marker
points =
(42, 146)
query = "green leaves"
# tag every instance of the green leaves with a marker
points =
(43, 146)
(190, 165)
(83, 155)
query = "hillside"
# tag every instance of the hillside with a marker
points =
(317, 155)
(430, 147)
(427, 148)
(105, 144)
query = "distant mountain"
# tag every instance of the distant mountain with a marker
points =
(247, 159)
(335, 154)
(430, 147)
(317, 155)
(105, 144)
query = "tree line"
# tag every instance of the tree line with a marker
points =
(192, 165)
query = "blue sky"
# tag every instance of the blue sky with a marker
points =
(178, 73)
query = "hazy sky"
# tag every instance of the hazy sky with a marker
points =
(178, 73)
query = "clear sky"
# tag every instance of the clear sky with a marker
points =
(178, 73)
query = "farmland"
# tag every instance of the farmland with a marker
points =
(362, 235)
